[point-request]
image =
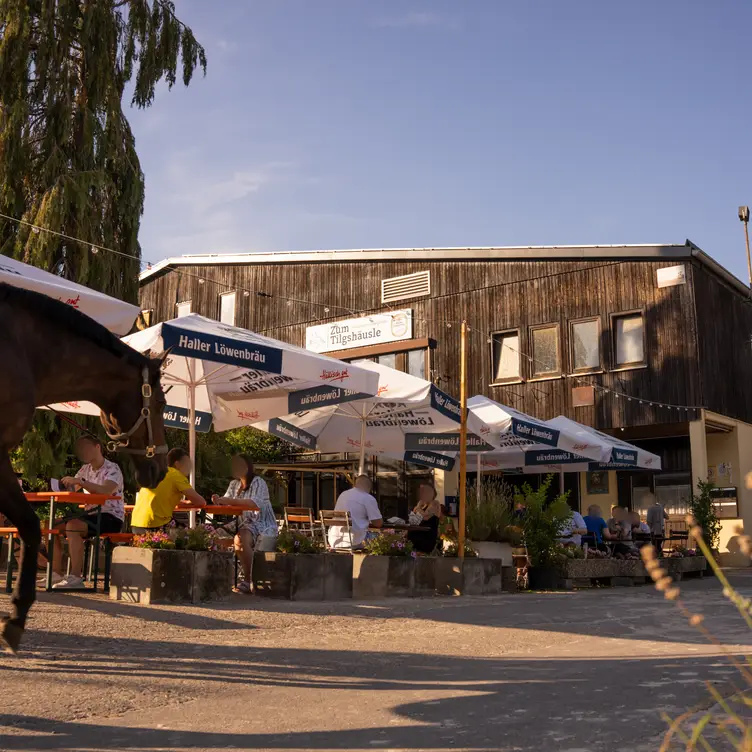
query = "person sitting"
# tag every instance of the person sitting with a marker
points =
(154, 506)
(257, 530)
(596, 526)
(97, 475)
(640, 529)
(428, 510)
(364, 513)
(573, 529)
(621, 531)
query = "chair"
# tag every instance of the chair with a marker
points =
(300, 520)
(337, 518)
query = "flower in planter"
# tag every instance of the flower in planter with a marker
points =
(388, 544)
(292, 542)
(452, 550)
(157, 541)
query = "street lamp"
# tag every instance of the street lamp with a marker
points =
(744, 217)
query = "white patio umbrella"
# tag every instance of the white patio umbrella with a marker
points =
(234, 377)
(115, 314)
(405, 419)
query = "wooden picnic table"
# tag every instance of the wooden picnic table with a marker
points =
(52, 498)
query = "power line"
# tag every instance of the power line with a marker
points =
(448, 323)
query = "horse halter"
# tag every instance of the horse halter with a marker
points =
(119, 442)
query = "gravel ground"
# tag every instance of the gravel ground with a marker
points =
(591, 670)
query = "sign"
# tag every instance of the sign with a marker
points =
(430, 459)
(550, 457)
(671, 275)
(535, 432)
(444, 442)
(624, 456)
(597, 482)
(583, 396)
(177, 417)
(287, 431)
(234, 352)
(376, 329)
(320, 396)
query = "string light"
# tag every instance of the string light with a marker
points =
(36, 229)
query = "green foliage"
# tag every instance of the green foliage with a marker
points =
(452, 550)
(542, 522)
(215, 450)
(489, 515)
(292, 542)
(199, 538)
(68, 160)
(701, 508)
(388, 544)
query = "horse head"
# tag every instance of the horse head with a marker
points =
(135, 426)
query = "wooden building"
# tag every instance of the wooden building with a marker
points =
(650, 343)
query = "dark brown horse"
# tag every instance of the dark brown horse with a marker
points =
(50, 353)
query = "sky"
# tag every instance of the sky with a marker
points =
(326, 124)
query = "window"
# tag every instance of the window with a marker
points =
(388, 360)
(184, 308)
(629, 339)
(544, 341)
(416, 363)
(505, 357)
(585, 345)
(227, 308)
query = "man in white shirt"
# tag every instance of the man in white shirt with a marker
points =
(573, 530)
(364, 513)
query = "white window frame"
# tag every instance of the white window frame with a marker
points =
(233, 294)
(614, 348)
(590, 369)
(534, 373)
(495, 342)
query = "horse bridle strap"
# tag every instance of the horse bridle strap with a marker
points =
(119, 442)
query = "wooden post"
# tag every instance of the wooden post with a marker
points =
(463, 439)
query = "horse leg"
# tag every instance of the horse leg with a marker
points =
(14, 506)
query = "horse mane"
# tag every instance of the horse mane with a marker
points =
(71, 319)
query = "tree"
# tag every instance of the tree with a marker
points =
(702, 509)
(68, 158)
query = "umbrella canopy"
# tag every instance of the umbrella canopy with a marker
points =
(115, 314)
(234, 377)
(407, 418)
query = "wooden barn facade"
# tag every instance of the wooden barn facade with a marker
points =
(650, 343)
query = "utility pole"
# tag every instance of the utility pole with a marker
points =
(463, 440)
(744, 217)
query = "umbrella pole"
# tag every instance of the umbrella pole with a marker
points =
(362, 462)
(463, 440)
(561, 481)
(192, 433)
(478, 480)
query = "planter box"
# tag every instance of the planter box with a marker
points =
(303, 577)
(143, 575)
(471, 576)
(492, 550)
(385, 576)
(425, 576)
(687, 566)
(590, 568)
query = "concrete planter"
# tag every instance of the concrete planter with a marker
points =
(143, 575)
(625, 572)
(303, 577)
(493, 550)
(472, 576)
(590, 568)
(385, 576)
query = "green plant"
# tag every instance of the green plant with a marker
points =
(388, 544)
(452, 550)
(565, 553)
(542, 522)
(291, 542)
(199, 538)
(702, 510)
(488, 511)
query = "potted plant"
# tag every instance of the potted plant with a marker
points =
(385, 568)
(489, 520)
(702, 509)
(541, 524)
(183, 564)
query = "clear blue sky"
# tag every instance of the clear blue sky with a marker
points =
(407, 123)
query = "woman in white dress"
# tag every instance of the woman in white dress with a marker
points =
(257, 529)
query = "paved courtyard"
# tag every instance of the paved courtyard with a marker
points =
(560, 671)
